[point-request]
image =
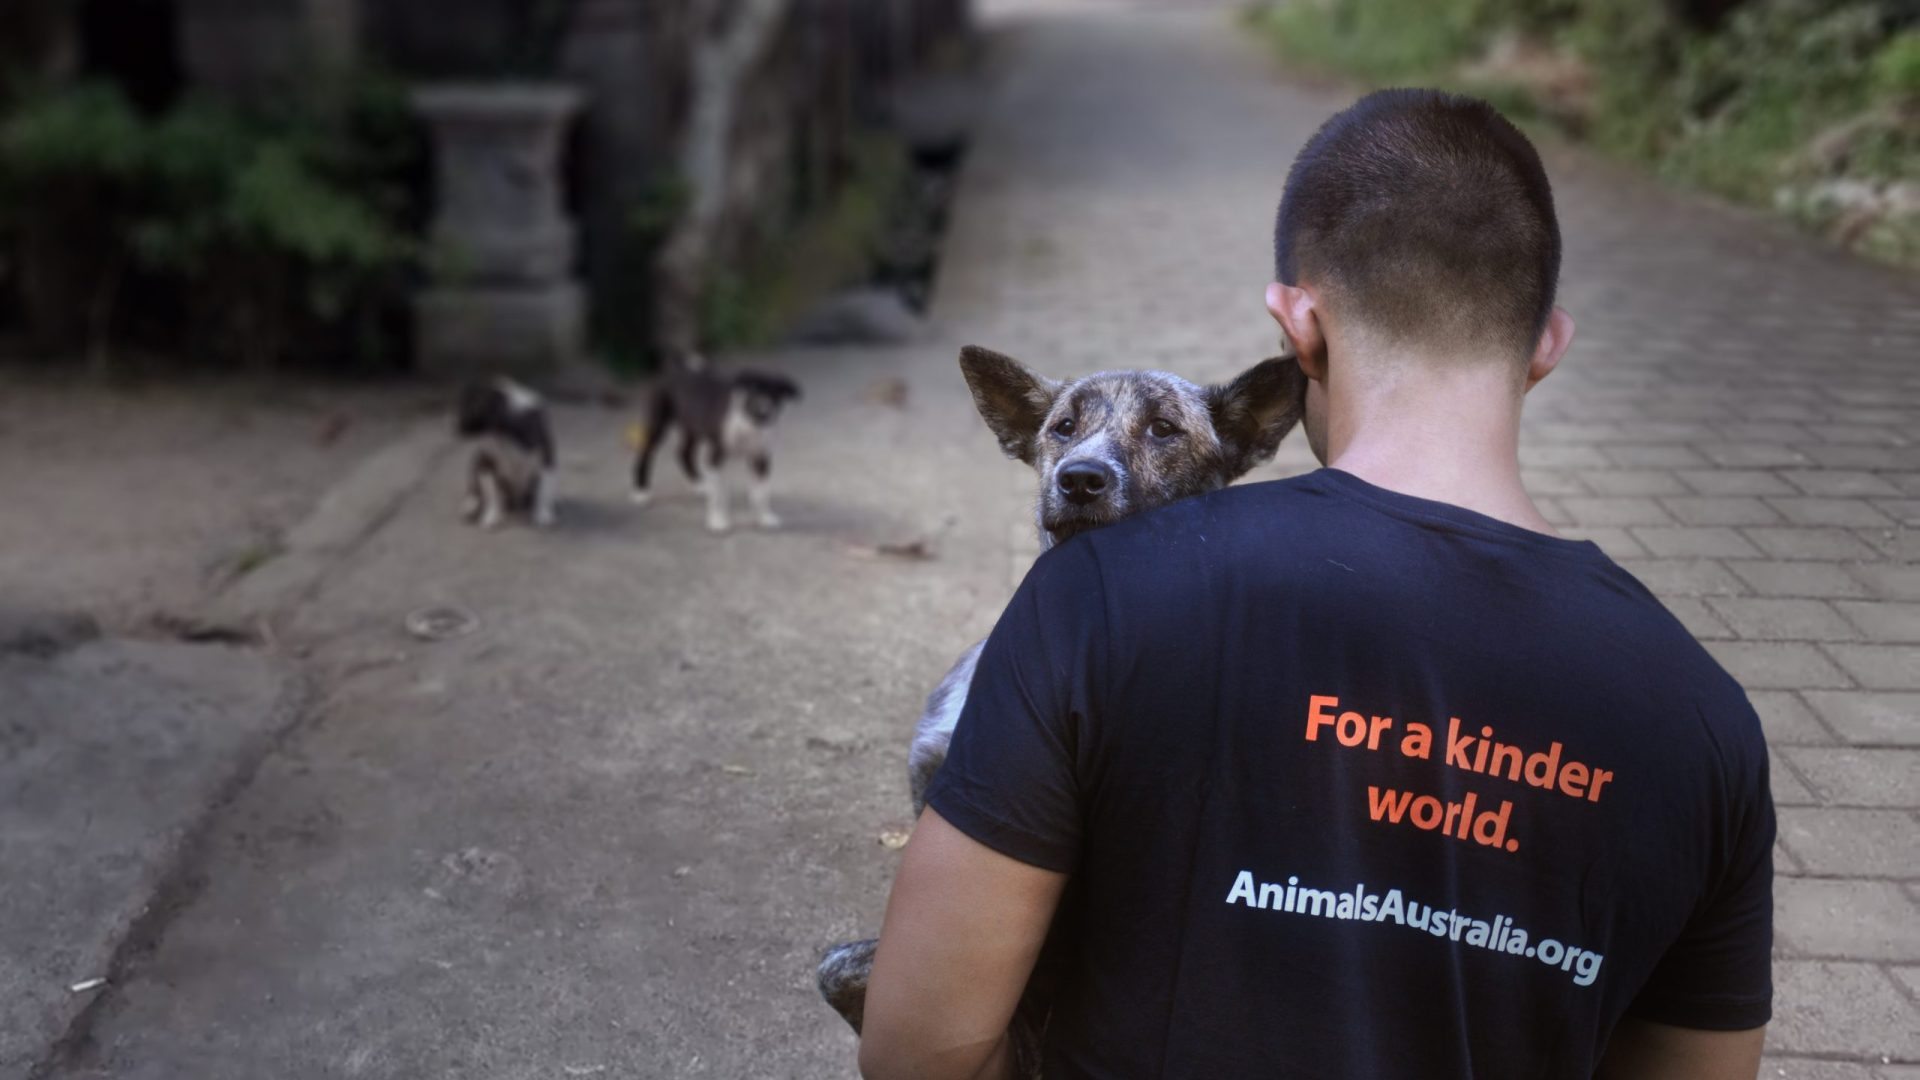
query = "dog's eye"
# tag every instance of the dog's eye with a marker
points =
(1163, 429)
(1064, 428)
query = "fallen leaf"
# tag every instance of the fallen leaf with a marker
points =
(736, 770)
(894, 837)
(85, 985)
(912, 550)
(891, 390)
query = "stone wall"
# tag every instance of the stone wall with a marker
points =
(829, 74)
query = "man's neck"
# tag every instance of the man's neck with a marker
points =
(1449, 432)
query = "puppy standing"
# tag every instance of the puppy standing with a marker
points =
(1105, 447)
(720, 417)
(512, 467)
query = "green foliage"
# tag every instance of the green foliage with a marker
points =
(87, 132)
(1896, 70)
(791, 267)
(1734, 111)
(294, 206)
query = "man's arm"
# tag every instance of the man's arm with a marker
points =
(1643, 1050)
(964, 926)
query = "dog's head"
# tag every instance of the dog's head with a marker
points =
(1121, 442)
(482, 408)
(762, 394)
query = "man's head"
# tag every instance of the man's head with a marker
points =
(1419, 223)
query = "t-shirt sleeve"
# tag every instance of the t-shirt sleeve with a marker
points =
(1718, 975)
(1012, 777)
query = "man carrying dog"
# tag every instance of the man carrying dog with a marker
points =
(1366, 773)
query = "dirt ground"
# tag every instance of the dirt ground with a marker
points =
(130, 502)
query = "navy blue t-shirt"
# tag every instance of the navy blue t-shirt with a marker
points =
(1354, 784)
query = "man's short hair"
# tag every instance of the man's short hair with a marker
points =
(1424, 215)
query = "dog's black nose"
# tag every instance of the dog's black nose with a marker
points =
(1084, 481)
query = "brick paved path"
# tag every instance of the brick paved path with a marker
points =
(1738, 423)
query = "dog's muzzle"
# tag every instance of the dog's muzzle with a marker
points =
(1082, 483)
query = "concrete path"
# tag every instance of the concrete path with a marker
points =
(606, 834)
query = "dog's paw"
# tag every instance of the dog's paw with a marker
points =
(640, 496)
(492, 522)
(718, 523)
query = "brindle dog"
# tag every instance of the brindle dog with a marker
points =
(1105, 446)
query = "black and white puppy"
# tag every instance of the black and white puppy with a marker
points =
(512, 466)
(721, 416)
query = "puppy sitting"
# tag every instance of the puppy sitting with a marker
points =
(720, 417)
(512, 466)
(1105, 447)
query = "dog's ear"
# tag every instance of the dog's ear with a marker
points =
(1012, 400)
(1255, 411)
(478, 406)
(783, 388)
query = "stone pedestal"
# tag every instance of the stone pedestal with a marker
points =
(504, 298)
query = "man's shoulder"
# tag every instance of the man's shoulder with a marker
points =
(1271, 511)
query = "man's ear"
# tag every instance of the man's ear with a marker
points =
(1255, 411)
(1552, 346)
(1012, 400)
(1298, 314)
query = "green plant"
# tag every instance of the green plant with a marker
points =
(795, 263)
(274, 218)
(1736, 109)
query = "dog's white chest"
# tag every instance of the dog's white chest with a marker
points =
(740, 433)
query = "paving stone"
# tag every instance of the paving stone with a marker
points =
(1555, 482)
(1850, 776)
(1897, 1072)
(1844, 918)
(1802, 542)
(1683, 577)
(1752, 454)
(1899, 544)
(1657, 456)
(1615, 510)
(1841, 483)
(1890, 580)
(1849, 457)
(1684, 541)
(1557, 456)
(1908, 977)
(1633, 482)
(1904, 511)
(1784, 864)
(1852, 843)
(1792, 1068)
(1766, 665)
(1828, 1007)
(1695, 616)
(1720, 510)
(1787, 721)
(1816, 579)
(1887, 622)
(1869, 718)
(1787, 787)
(1859, 434)
(1881, 667)
(1782, 620)
(1735, 482)
(1615, 541)
(1807, 510)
